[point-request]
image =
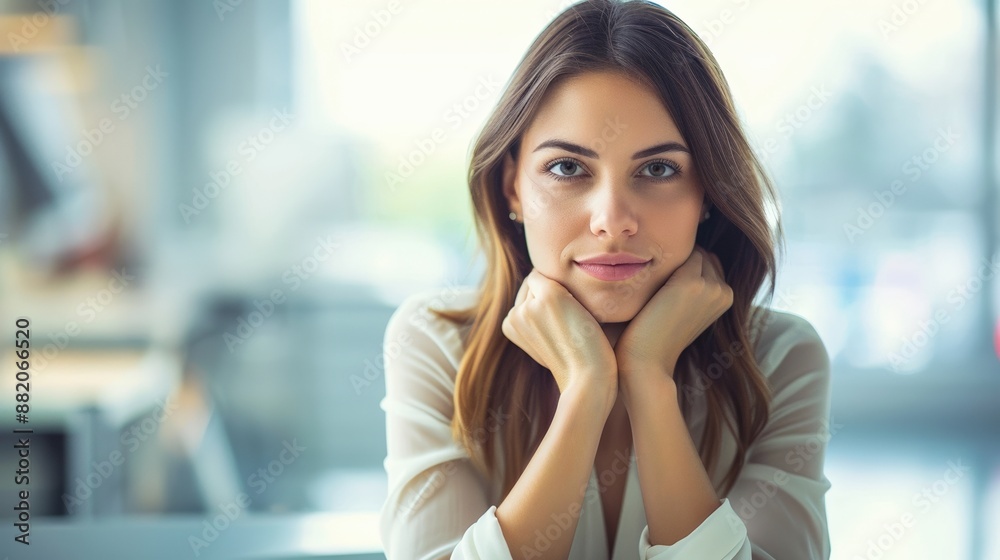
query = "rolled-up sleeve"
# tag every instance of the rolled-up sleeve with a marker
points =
(776, 510)
(437, 504)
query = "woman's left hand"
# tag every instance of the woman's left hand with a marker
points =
(692, 298)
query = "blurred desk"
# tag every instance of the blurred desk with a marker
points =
(121, 383)
(91, 395)
(249, 536)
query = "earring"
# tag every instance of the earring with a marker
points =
(707, 214)
(513, 216)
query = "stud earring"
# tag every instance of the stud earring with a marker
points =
(513, 216)
(706, 216)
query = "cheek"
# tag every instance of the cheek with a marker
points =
(547, 237)
(676, 225)
(551, 226)
(676, 234)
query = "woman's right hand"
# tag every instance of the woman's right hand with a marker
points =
(556, 330)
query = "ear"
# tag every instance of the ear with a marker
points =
(510, 185)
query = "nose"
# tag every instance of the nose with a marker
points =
(613, 213)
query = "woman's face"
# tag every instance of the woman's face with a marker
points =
(603, 169)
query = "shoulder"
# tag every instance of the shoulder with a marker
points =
(414, 328)
(415, 309)
(787, 345)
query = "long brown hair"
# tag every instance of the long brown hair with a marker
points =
(495, 377)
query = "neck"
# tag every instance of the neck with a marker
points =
(613, 331)
(617, 427)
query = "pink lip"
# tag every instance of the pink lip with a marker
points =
(614, 258)
(612, 272)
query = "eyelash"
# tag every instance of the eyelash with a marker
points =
(546, 169)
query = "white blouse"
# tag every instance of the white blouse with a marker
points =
(440, 506)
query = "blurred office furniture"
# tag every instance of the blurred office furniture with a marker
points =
(213, 535)
(102, 400)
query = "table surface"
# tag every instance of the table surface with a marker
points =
(249, 536)
(120, 383)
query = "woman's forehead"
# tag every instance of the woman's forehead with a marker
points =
(604, 111)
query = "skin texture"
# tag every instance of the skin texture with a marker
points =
(608, 201)
(613, 203)
(612, 346)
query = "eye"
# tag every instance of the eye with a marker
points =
(661, 169)
(565, 170)
(566, 166)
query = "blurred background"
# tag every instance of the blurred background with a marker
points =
(209, 210)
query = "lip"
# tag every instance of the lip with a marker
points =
(614, 258)
(612, 272)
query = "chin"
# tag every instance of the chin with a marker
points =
(611, 308)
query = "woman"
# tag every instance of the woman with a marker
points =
(610, 390)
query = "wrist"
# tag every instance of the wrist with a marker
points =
(653, 387)
(596, 397)
(639, 376)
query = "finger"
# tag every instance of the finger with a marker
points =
(507, 327)
(711, 267)
(720, 270)
(541, 285)
(715, 274)
(522, 294)
(706, 261)
(692, 267)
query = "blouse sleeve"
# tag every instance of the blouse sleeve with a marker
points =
(776, 510)
(437, 504)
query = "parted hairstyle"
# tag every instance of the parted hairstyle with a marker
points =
(650, 44)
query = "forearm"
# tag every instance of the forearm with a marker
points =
(551, 490)
(677, 493)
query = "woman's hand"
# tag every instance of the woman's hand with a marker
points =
(556, 330)
(694, 296)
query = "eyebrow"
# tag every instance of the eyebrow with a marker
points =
(577, 149)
